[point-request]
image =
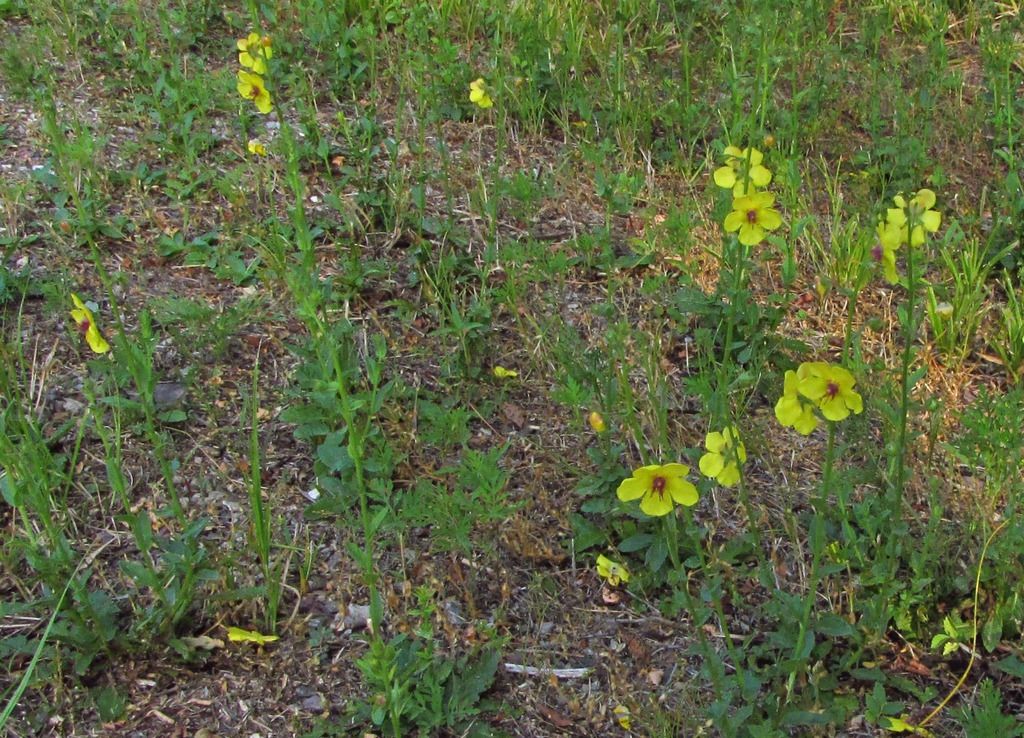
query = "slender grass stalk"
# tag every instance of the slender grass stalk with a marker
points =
(260, 533)
(26, 678)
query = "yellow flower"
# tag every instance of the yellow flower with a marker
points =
(791, 411)
(752, 215)
(254, 52)
(502, 373)
(478, 93)
(736, 165)
(831, 389)
(725, 454)
(86, 323)
(611, 571)
(659, 488)
(623, 716)
(255, 147)
(251, 87)
(884, 251)
(597, 422)
(917, 210)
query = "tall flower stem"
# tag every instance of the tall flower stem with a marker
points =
(898, 462)
(696, 607)
(816, 538)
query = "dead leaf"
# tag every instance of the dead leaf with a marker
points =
(554, 717)
(637, 649)
(611, 596)
(204, 643)
(514, 414)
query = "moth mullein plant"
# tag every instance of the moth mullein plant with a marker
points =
(253, 52)
(479, 94)
(251, 87)
(659, 488)
(725, 454)
(743, 172)
(817, 385)
(752, 217)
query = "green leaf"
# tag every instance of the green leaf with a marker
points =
(173, 416)
(332, 454)
(992, 631)
(636, 543)
(986, 719)
(587, 535)
(468, 684)
(110, 704)
(834, 626)
(142, 529)
(656, 555)
(1011, 665)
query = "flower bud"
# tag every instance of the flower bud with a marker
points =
(597, 422)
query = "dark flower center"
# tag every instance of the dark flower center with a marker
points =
(752, 216)
(877, 252)
(83, 327)
(832, 389)
(658, 485)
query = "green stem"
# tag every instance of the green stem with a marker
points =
(817, 541)
(909, 334)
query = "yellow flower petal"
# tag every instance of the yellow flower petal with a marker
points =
(725, 177)
(656, 505)
(931, 220)
(682, 491)
(925, 199)
(632, 488)
(711, 465)
(729, 476)
(715, 442)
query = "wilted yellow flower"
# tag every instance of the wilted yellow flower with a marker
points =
(734, 174)
(597, 422)
(478, 93)
(254, 52)
(725, 455)
(623, 716)
(251, 87)
(753, 215)
(502, 373)
(240, 635)
(255, 147)
(86, 323)
(659, 488)
(611, 571)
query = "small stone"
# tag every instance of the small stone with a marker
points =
(313, 703)
(73, 406)
(356, 617)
